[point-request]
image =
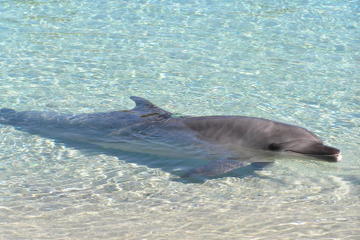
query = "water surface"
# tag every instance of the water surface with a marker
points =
(292, 61)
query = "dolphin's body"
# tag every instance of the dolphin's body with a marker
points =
(229, 142)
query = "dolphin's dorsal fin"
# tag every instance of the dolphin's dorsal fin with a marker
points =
(146, 108)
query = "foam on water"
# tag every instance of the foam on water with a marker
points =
(292, 61)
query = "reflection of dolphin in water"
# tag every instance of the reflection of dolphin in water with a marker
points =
(229, 142)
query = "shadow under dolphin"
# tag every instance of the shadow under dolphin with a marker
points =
(212, 145)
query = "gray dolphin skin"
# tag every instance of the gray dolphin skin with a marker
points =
(228, 142)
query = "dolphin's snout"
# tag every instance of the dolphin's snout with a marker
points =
(319, 151)
(334, 153)
(330, 154)
(331, 150)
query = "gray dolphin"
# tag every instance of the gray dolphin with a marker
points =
(229, 142)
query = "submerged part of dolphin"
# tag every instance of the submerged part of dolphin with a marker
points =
(229, 142)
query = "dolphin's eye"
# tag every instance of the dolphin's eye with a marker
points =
(274, 147)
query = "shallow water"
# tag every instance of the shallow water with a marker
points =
(293, 61)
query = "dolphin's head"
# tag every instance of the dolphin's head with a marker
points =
(297, 140)
(246, 134)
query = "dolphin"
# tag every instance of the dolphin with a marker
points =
(228, 142)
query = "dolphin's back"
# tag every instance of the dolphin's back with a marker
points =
(89, 127)
(226, 126)
(225, 129)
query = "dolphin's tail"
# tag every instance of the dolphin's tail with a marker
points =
(6, 115)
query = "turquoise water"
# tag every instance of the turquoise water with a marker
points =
(292, 61)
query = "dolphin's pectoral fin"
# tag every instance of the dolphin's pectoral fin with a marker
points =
(216, 167)
(147, 108)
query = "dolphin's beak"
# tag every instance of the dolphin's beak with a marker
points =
(329, 154)
(329, 158)
(321, 152)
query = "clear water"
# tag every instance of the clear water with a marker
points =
(293, 61)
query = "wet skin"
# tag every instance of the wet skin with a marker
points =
(229, 142)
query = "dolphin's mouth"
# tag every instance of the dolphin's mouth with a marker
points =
(329, 158)
(326, 157)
